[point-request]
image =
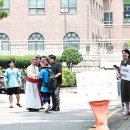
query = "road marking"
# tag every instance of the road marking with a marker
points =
(108, 117)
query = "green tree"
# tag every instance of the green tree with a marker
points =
(3, 13)
(71, 57)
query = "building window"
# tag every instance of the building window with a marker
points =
(36, 42)
(108, 19)
(5, 44)
(71, 40)
(126, 12)
(68, 6)
(5, 7)
(36, 6)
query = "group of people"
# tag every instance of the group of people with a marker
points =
(124, 85)
(100, 108)
(44, 78)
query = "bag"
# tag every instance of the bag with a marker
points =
(51, 80)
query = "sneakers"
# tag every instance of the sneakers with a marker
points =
(11, 106)
(47, 108)
(19, 105)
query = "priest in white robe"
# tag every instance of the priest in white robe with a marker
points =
(33, 102)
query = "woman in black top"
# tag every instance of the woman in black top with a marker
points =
(125, 84)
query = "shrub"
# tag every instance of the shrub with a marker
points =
(71, 57)
(68, 78)
(20, 61)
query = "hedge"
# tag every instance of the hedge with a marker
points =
(20, 61)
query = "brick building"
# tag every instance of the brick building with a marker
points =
(42, 26)
(119, 29)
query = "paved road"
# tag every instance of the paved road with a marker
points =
(75, 114)
(119, 122)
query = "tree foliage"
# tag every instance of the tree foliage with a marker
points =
(71, 57)
(3, 13)
(1, 3)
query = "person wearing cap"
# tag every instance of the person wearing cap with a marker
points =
(33, 102)
(12, 78)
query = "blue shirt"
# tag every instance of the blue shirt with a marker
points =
(45, 77)
(12, 77)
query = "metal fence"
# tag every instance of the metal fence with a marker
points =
(84, 47)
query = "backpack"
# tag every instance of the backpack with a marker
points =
(51, 79)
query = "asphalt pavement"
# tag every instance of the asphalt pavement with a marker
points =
(75, 114)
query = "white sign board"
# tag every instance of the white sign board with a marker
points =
(125, 72)
(97, 85)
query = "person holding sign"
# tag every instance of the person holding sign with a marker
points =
(99, 88)
(125, 80)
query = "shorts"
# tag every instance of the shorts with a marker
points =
(11, 91)
(45, 94)
(46, 97)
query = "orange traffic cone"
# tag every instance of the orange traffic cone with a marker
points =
(100, 109)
